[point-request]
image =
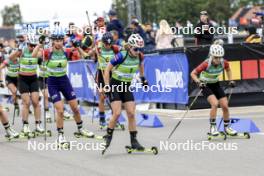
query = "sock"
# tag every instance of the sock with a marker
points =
(133, 135)
(6, 125)
(110, 131)
(212, 122)
(25, 122)
(38, 122)
(79, 125)
(60, 130)
(102, 115)
(226, 123)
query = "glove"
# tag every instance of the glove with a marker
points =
(76, 43)
(232, 84)
(201, 85)
(107, 91)
(2, 84)
(143, 81)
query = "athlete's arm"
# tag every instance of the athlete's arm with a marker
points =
(15, 54)
(141, 65)
(228, 70)
(3, 65)
(197, 71)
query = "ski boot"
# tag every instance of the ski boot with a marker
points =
(214, 133)
(39, 131)
(67, 116)
(84, 133)
(62, 143)
(11, 134)
(120, 126)
(26, 132)
(48, 117)
(231, 133)
(107, 141)
(102, 123)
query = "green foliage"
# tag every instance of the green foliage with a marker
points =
(11, 15)
(183, 10)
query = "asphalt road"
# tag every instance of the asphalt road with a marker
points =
(245, 158)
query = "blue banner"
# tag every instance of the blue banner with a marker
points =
(167, 76)
(81, 79)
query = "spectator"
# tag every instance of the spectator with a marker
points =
(100, 29)
(117, 41)
(150, 38)
(253, 37)
(115, 24)
(164, 35)
(137, 29)
(202, 34)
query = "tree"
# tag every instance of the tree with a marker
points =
(183, 10)
(11, 15)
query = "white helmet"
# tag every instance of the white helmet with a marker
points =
(136, 40)
(32, 39)
(217, 50)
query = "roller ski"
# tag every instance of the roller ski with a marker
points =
(39, 131)
(62, 143)
(130, 149)
(11, 134)
(86, 134)
(26, 132)
(215, 134)
(231, 133)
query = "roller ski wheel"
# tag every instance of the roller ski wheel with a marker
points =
(38, 133)
(10, 138)
(244, 135)
(153, 150)
(221, 135)
(27, 135)
(64, 145)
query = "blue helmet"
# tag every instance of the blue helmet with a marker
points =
(57, 33)
(108, 38)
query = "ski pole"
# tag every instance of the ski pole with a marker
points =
(184, 115)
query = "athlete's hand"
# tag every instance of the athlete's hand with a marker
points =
(232, 84)
(107, 90)
(201, 84)
(144, 81)
(42, 39)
